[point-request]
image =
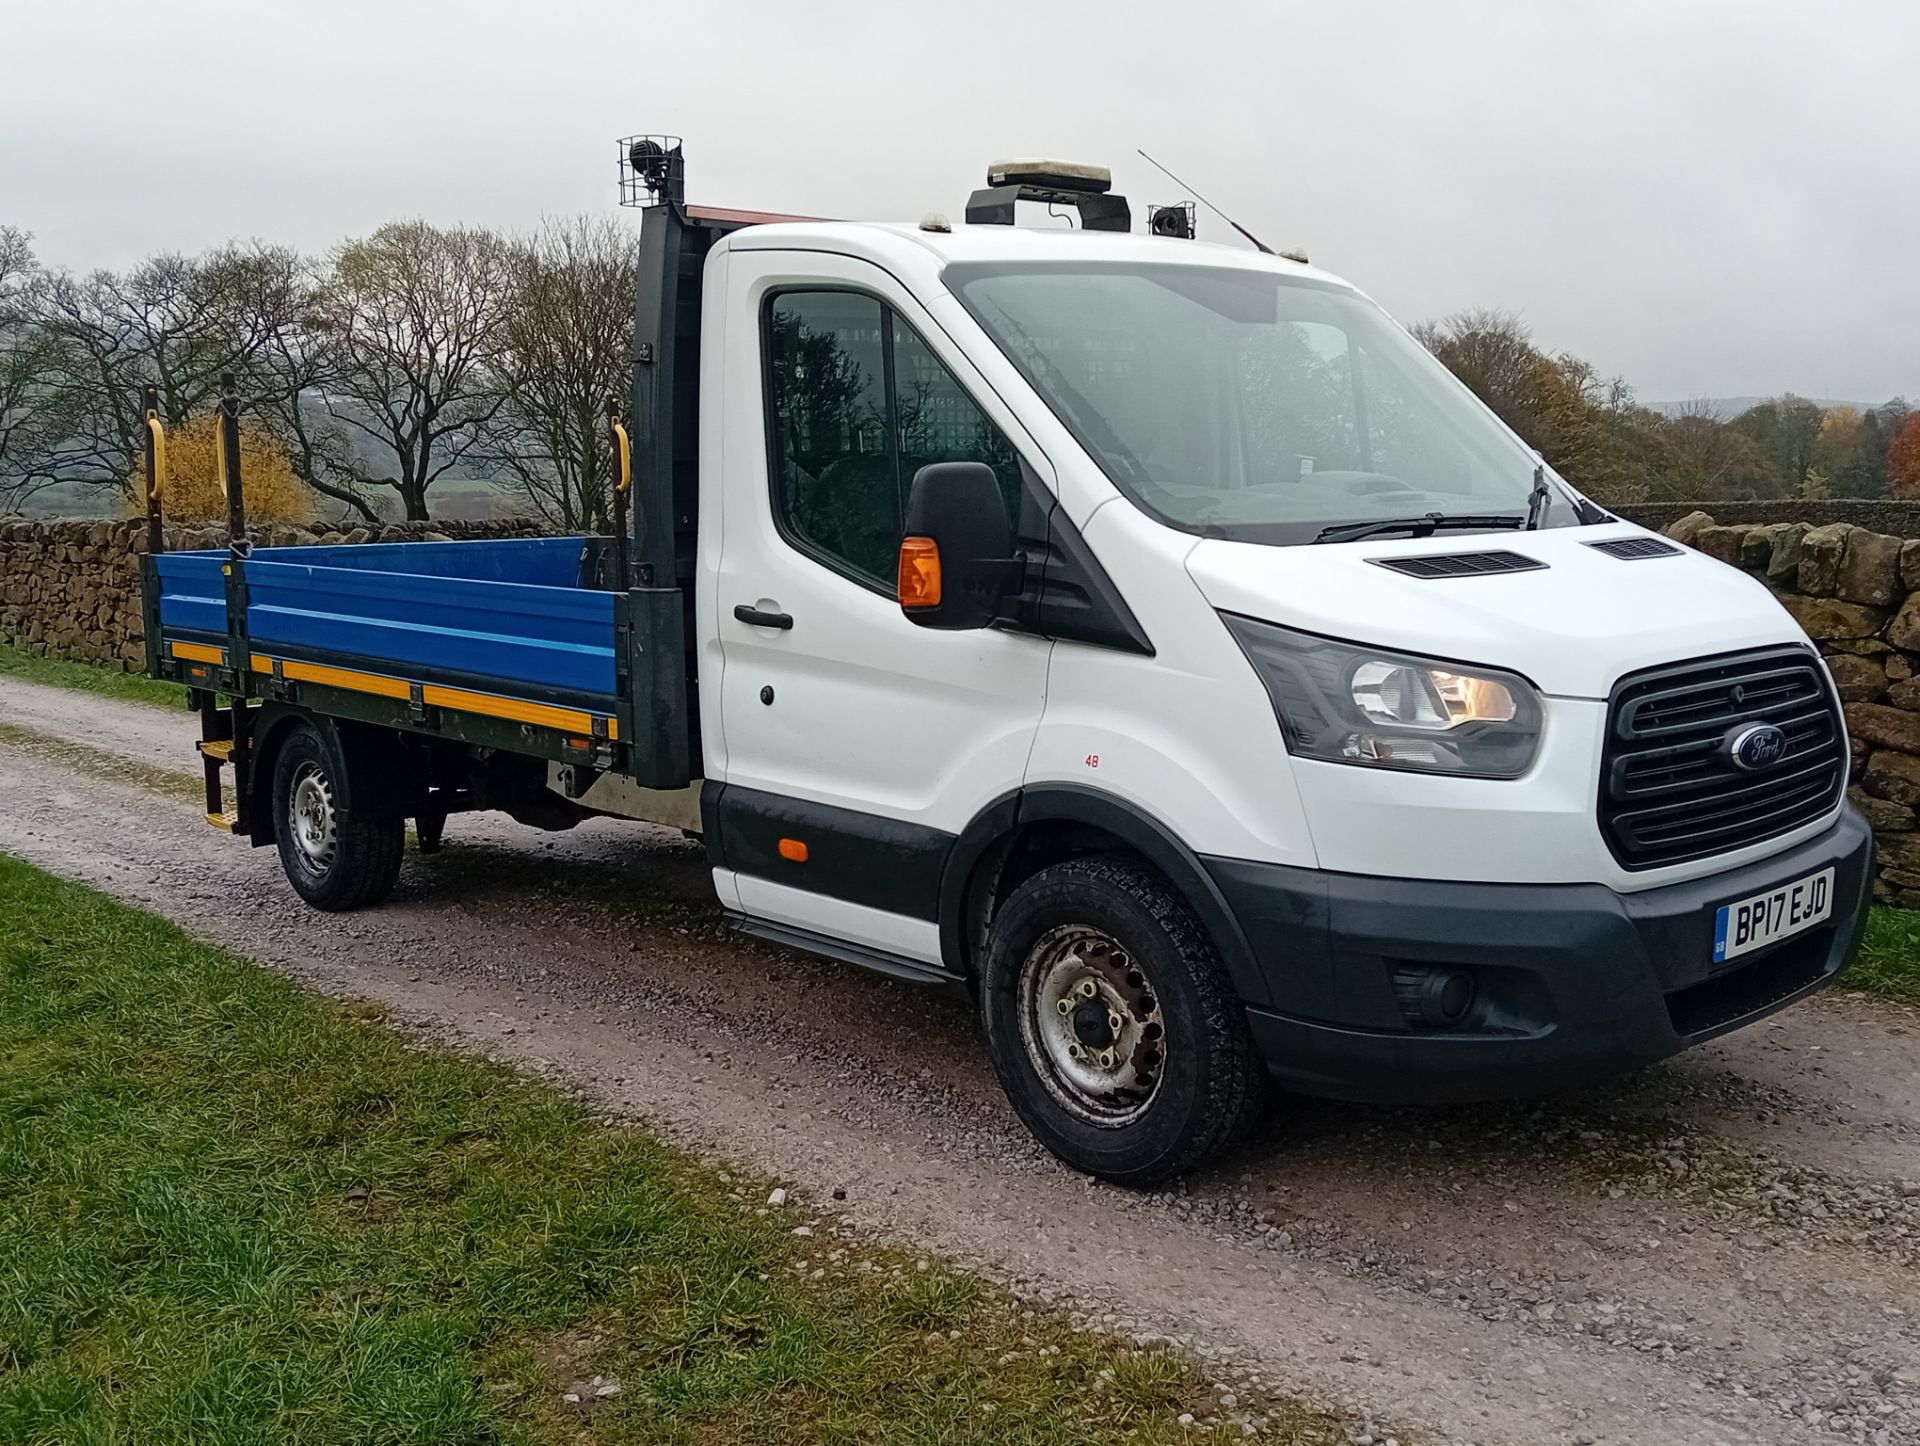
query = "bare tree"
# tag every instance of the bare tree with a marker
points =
(1492, 353)
(1703, 457)
(415, 317)
(33, 415)
(296, 370)
(175, 323)
(565, 353)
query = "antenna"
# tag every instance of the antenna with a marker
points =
(1258, 244)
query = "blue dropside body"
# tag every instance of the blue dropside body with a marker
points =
(508, 616)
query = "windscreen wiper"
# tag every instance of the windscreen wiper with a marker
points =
(1425, 526)
(1538, 500)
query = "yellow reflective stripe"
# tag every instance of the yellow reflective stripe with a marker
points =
(519, 710)
(346, 678)
(198, 652)
(567, 720)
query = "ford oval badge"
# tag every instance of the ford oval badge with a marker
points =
(1756, 746)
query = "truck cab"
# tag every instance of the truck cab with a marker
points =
(1152, 639)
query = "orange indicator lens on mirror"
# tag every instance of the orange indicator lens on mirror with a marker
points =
(919, 573)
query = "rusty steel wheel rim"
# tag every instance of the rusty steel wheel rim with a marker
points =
(1091, 1023)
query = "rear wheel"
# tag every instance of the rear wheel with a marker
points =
(334, 862)
(1112, 1024)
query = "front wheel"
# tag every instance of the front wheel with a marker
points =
(1111, 1022)
(334, 862)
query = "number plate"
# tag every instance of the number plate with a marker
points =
(1740, 928)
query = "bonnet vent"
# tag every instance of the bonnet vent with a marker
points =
(1631, 549)
(1459, 564)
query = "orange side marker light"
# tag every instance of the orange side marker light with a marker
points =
(793, 850)
(919, 573)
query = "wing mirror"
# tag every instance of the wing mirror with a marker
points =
(957, 568)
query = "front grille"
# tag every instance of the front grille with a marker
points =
(1717, 1004)
(1669, 789)
(1459, 564)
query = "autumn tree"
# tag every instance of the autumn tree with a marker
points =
(1701, 457)
(1583, 423)
(194, 489)
(1841, 452)
(1786, 429)
(1879, 426)
(564, 354)
(1903, 459)
(1492, 353)
(175, 323)
(413, 323)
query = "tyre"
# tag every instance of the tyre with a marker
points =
(1111, 1022)
(334, 863)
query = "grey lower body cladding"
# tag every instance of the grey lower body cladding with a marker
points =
(1379, 989)
(1567, 983)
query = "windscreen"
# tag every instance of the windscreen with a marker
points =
(1238, 403)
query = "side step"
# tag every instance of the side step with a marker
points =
(913, 971)
(226, 738)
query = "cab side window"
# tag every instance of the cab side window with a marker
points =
(856, 404)
(939, 422)
(834, 483)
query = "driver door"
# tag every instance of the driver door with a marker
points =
(854, 745)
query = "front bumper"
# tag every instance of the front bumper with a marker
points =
(1573, 982)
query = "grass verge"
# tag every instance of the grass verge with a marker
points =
(233, 1212)
(1889, 961)
(88, 678)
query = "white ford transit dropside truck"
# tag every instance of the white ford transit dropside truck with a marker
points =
(1146, 636)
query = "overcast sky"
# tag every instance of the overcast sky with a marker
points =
(1708, 198)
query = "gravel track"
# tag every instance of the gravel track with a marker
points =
(1725, 1248)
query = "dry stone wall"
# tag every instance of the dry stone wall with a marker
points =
(71, 589)
(1880, 514)
(1857, 593)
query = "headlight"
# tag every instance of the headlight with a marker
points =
(1347, 703)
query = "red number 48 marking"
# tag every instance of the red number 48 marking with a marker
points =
(1093, 760)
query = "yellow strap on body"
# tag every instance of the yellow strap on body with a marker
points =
(220, 452)
(623, 449)
(158, 434)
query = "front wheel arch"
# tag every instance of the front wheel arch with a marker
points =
(1048, 823)
(1162, 1072)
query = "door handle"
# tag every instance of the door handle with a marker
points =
(753, 617)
